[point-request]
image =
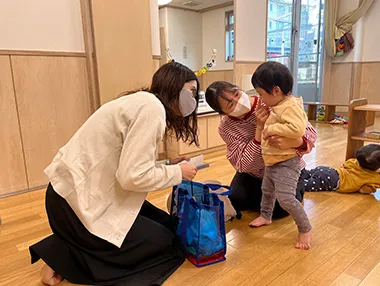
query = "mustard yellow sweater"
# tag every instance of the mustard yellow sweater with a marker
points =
(287, 119)
(352, 177)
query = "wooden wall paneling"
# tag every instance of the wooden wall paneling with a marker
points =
(242, 68)
(229, 75)
(212, 76)
(340, 82)
(12, 167)
(215, 75)
(370, 83)
(53, 102)
(122, 34)
(356, 80)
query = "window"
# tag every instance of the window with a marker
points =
(230, 36)
(302, 52)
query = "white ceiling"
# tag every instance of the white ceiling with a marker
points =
(203, 4)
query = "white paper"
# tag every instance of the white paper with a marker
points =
(197, 161)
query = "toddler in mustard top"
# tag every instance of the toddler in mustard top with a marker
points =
(356, 175)
(273, 82)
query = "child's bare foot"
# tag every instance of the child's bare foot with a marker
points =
(304, 240)
(49, 276)
(260, 221)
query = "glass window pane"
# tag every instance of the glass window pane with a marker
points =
(279, 28)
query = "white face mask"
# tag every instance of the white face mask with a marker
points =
(242, 107)
(187, 102)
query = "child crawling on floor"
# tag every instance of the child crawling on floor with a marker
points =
(356, 175)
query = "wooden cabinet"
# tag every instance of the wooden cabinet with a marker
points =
(208, 135)
(202, 135)
(213, 137)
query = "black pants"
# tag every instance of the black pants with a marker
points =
(148, 255)
(247, 193)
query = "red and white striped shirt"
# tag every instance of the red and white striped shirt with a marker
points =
(243, 151)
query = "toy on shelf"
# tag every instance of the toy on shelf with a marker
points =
(321, 116)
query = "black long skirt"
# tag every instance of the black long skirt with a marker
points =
(148, 255)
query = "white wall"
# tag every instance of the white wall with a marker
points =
(41, 25)
(250, 17)
(371, 33)
(213, 37)
(185, 30)
(155, 27)
(163, 19)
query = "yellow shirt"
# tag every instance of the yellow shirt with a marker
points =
(353, 178)
(287, 119)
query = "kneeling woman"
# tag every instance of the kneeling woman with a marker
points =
(104, 231)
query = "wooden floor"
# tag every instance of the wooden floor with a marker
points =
(346, 241)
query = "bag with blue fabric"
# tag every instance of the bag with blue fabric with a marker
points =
(199, 216)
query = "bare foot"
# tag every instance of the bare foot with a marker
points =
(49, 276)
(304, 240)
(260, 221)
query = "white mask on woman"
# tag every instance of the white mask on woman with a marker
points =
(187, 102)
(242, 107)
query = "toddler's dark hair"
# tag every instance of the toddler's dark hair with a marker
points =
(369, 157)
(271, 74)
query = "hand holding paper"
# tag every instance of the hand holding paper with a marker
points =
(197, 161)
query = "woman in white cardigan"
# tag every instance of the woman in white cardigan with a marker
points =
(104, 231)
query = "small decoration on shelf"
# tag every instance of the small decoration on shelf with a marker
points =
(321, 114)
(204, 69)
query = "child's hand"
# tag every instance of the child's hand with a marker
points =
(262, 114)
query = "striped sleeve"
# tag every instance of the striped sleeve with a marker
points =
(244, 156)
(309, 138)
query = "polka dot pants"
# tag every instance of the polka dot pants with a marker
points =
(320, 179)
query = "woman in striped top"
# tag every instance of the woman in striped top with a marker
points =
(241, 130)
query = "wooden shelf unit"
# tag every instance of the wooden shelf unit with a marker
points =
(361, 115)
(330, 109)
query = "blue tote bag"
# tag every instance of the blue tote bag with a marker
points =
(199, 217)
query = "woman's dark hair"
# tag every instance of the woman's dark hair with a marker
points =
(216, 89)
(271, 74)
(369, 157)
(166, 85)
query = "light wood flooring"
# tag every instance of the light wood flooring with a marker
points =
(346, 239)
